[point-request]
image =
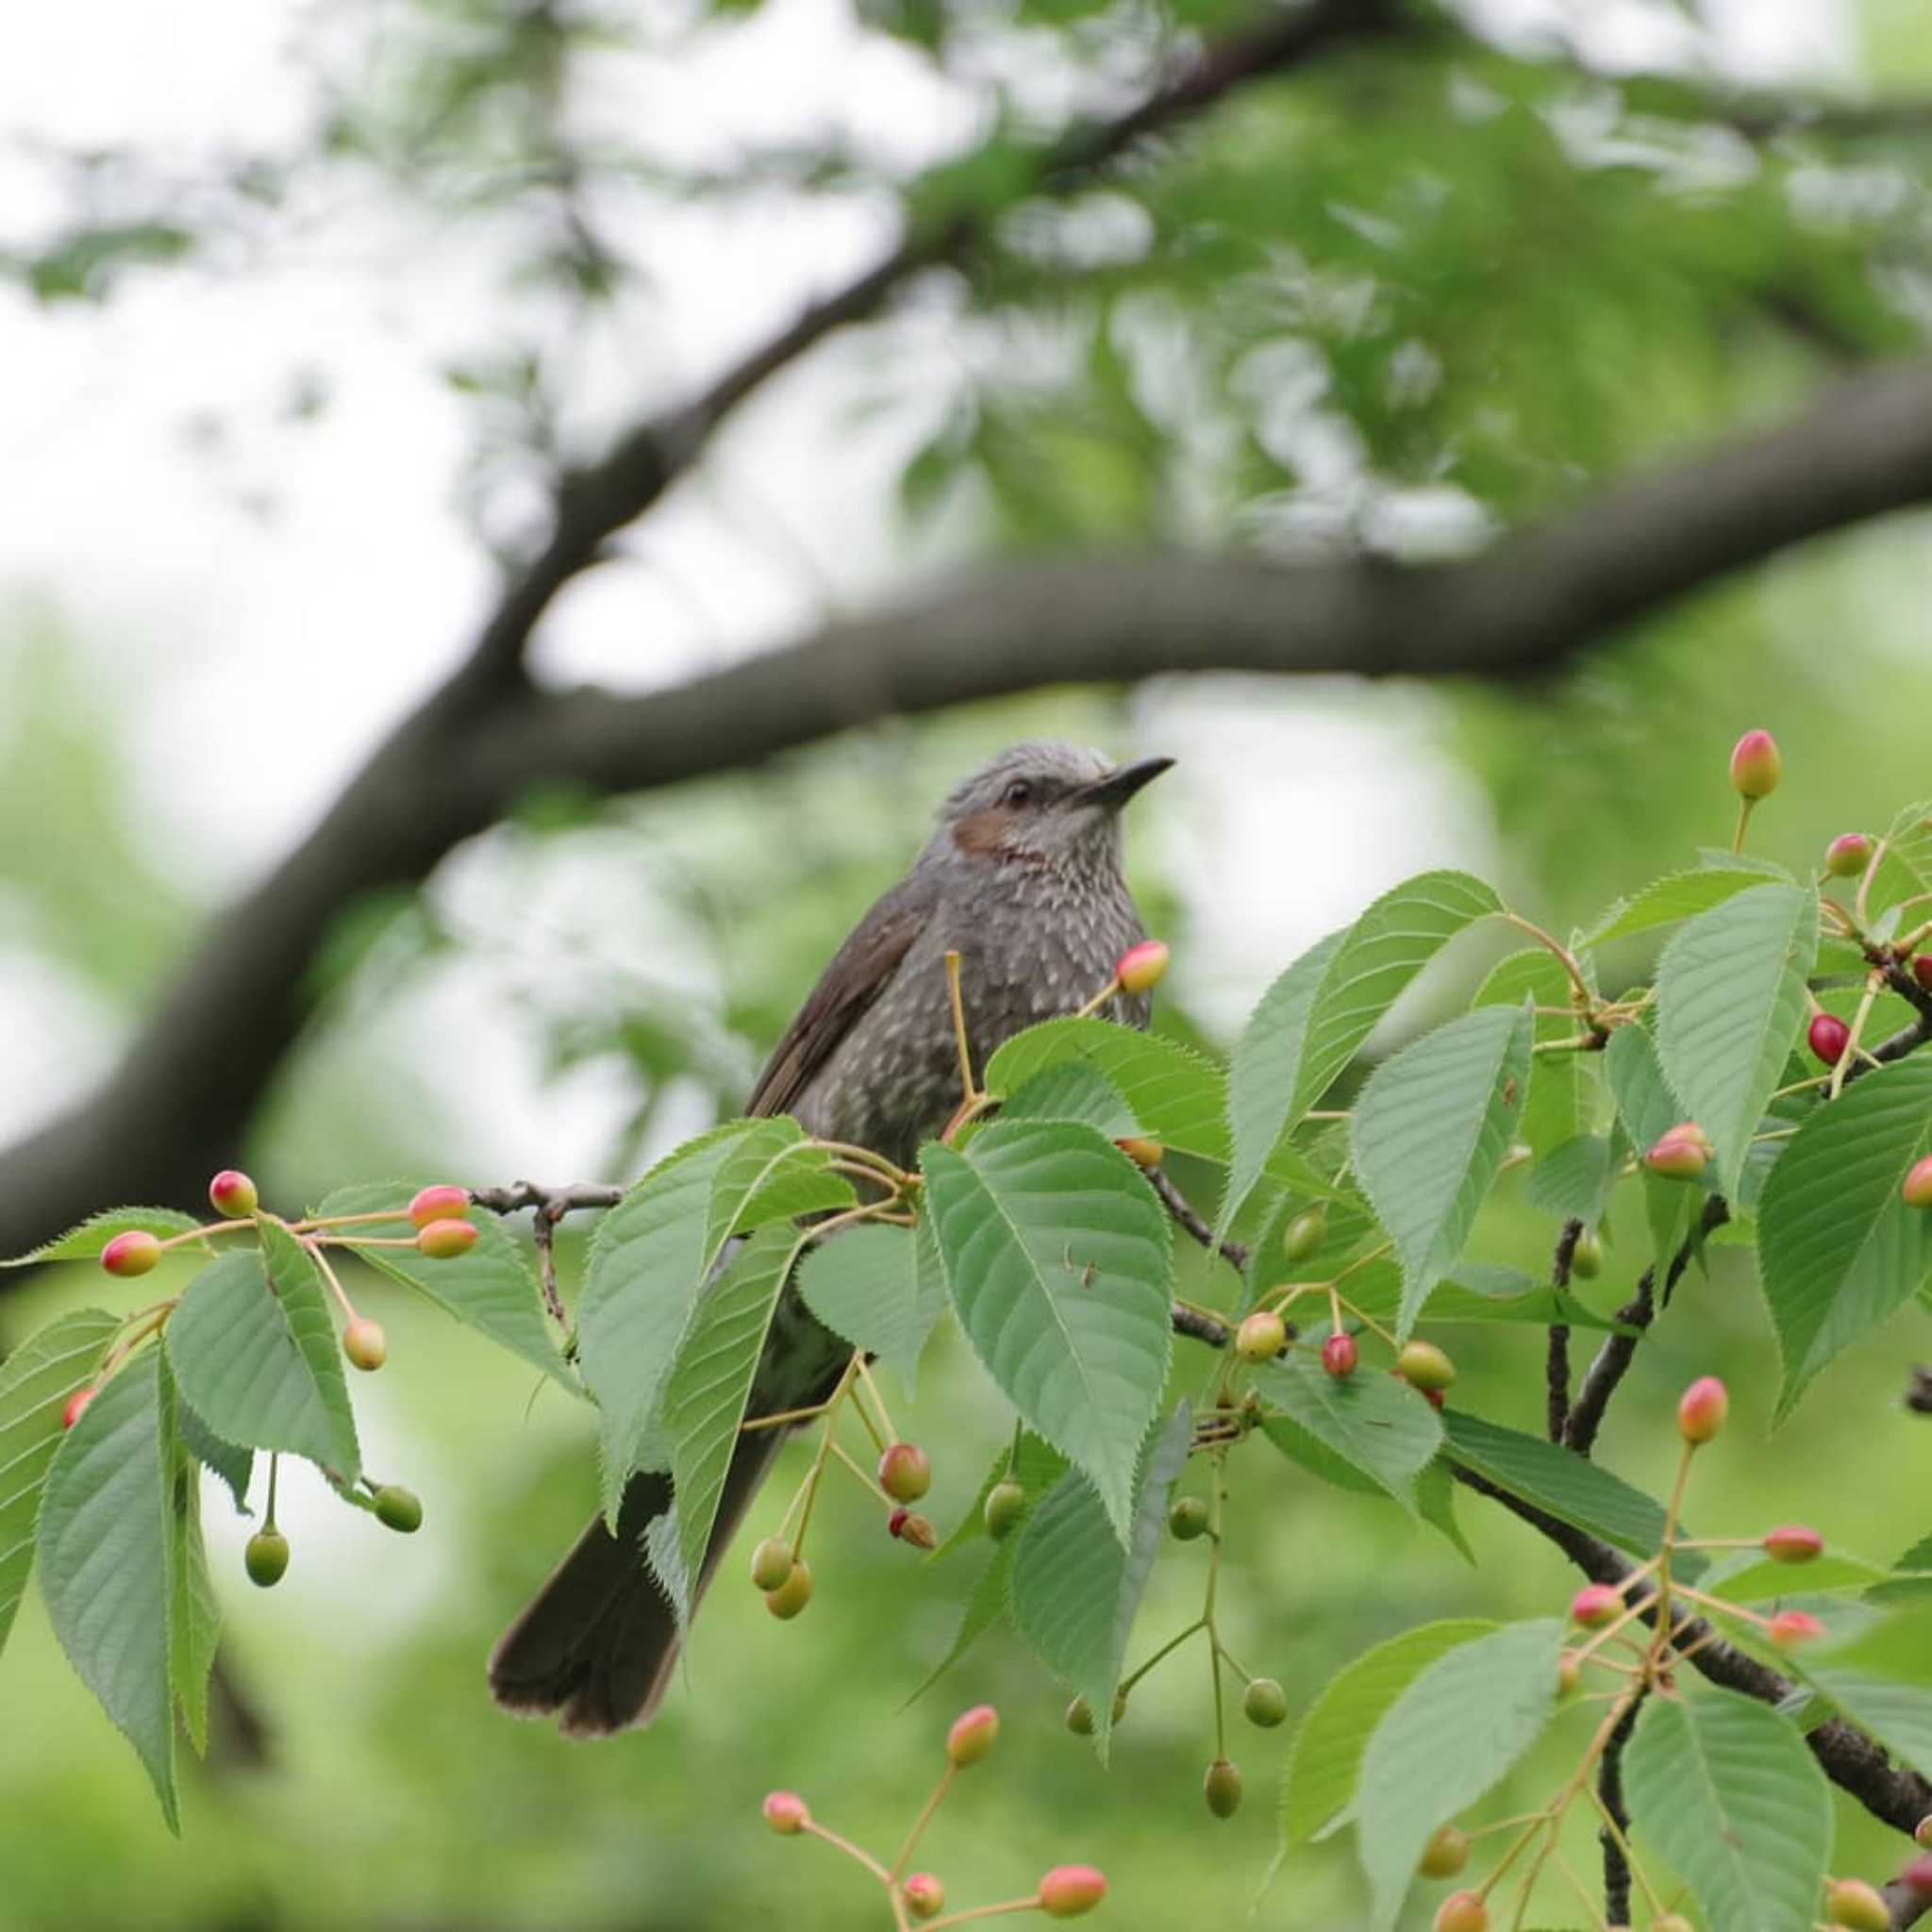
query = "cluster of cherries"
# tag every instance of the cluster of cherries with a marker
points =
(905, 1474)
(1065, 1893)
(439, 1216)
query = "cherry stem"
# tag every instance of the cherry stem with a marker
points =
(329, 1274)
(858, 1468)
(872, 1389)
(1745, 806)
(1099, 999)
(969, 1086)
(1586, 999)
(924, 1818)
(850, 1850)
(1013, 1905)
(816, 1474)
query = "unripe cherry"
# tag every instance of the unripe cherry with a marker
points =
(442, 1240)
(1829, 1036)
(909, 1526)
(1005, 1503)
(1424, 1366)
(133, 1253)
(771, 1563)
(266, 1558)
(1222, 1787)
(1852, 1903)
(1848, 855)
(1596, 1604)
(1790, 1628)
(1445, 1853)
(232, 1194)
(1682, 1154)
(972, 1734)
(439, 1203)
(785, 1813)
(1187, 1519)
(1305, 1234)
(1568, 1677)
(398, 1509)
(793, 1594)
(1792, 1542)
(925, 1896)
(1340, 1356)
(1140, 1152)
(1918, 1184)
(365, 1344)
(1917, 1877)
(1068, 1891)
(1080, 1718)
(1262, 1336)
(1462, 1912)
(1756, 766)
(1921, 1832)
(1701, 1408)
(1141, 967)
(1265, 1703)
(905, 1471)
(76, 1403)
(1587, 1257)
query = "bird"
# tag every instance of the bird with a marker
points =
(1022, 876)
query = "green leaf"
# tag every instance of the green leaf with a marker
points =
(194, 1618)
(1073, 1092)
(771, 1173)
(989, 1604)
(1679, 895)
(255, 1355)
(1475, 1291)
(1435, 1502)
(1428, 1133)
(1839, 1250)
(234, 1466)
(1058, 1256)
(1573, 1178)
(1727, 1791)
(1553, 1113)
(1569, 1485)
(1319, 1785)
(1377, 1426)
(1911, 1578)
(1076, 1591)
(1730, 1001)
(35, 1382)
(882, 1289)
(648, 1264)
(1755, 1579)
(103, 1545)
(1645, 1104)
(83, 1243)
(1450, 1735)
(1173, 1095)
(492, 1289)
(1314, 1019)
(1882, 1680)
(1037, 1468)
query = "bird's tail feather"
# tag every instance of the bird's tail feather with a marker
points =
(598, 1643)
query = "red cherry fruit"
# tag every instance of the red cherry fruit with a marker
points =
(972, 1734)
(1790, 1628)
(1068, 1891)
(905, 1471)
(1462, 1912)
(1701, 1408)
(925, 1896)
(232, 1194)
(76, 1403)
(1847, 855)
(443, 1203)
(785, 1813)
(1596, 1604)
(1918, 1876)
(133, 1253)
(1829, 1036)
(1756, 766)
(1340, 1356)
(1922, 970)
(1141, 967)
(1918, 1184)
(1792, 1542)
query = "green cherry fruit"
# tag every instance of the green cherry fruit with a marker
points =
(771, 1564)
(972, 1735)
(130, 1254)
(1756, 766)
(1847, 855)
(1445, 1853)
(1005, 1503)
(398, 1509)
(1587, 1257)
(1187, 1519)
(1140, 968)
(1222, 1787)
(443, 1241)
(365, 1344)
(1918, 1184)
(792, 1595)
(266, 1558)
(1265, 1702)
(1080, 1718)
(233, 1196)
(1261, 1337)
(1305, 1234)
(439, 1203)
(1852, 1903)
(905, 1471)
(1701, 1411)
(1424, 1366)
(1068, 1891)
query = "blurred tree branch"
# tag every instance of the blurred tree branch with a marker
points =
(182, 1098)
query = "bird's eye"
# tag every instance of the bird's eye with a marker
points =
(1019, 792)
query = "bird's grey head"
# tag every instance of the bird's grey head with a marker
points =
(1041, 805)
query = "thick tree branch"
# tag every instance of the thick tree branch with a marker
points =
(183, 1096)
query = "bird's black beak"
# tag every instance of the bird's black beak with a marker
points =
(1113, 791)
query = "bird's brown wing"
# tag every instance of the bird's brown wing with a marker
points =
(859, 971)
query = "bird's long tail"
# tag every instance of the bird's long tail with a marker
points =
(598, 1643)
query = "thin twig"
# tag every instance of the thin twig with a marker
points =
(1234, 1253)
(1556, 1367)
(1616, 1831)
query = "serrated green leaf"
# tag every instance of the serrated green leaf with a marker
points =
(1553, 1113)
(255, 1355)
(1569, 1485)
(1473, 1291)
(1752, 1578)
(710, 1382)
(1318, 1785)
(1911, 1579)
(1881, 1678)
(1839, 1250)
(772, 1172)
(1429, 1131)
(1572, 1179)
(103, 1548)
(1075, 1589)
(1073, 1091)
(989, 1602)
(1058, 1257)
(194, 1618)
(882, 1289)
(1727, 1791)
(83, 1243)
(1036, 1467)
(1645, 1102)
(492, 1289)
(648, 1262)
(1435, 1502)
(1377, 1426)
(1730, 1001)
(1450, 1735)
(1679, 895)
(233, 1465)
(35, 1382)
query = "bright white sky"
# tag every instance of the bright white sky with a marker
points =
(249, 657)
